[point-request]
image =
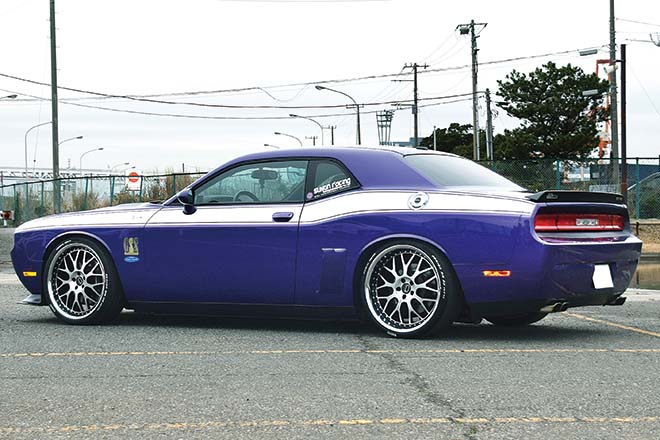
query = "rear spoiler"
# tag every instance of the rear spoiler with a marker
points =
(576, 196)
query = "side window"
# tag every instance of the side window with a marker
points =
(260, 183)
(329, 177)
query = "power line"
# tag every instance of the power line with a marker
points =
(638, 22)
(239, 118)
(150, 97)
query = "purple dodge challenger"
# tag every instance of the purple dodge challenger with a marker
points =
(411, 239)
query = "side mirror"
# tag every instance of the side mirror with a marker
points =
(186, 198)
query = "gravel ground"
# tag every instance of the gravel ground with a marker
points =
(592, 372)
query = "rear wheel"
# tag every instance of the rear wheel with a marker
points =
(517, 320)
(409, 289)
(82, 283)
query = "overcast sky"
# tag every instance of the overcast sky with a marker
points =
(168, 46)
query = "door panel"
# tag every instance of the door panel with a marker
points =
(237, 254)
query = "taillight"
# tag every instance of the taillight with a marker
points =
(578, 222)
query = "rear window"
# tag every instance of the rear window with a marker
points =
(456, 171)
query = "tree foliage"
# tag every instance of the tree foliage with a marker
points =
(557, 120)
(456, 139)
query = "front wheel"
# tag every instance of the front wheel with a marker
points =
(409, 289)
(82, 283)
(516, 320)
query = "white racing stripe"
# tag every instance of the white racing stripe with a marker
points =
(123, 217)
(397, 201)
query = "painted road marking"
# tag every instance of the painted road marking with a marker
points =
(340, 422)
(613, 324)
(331, 351)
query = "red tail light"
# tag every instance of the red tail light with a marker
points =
(578, 222)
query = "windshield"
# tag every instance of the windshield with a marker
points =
(446, 171)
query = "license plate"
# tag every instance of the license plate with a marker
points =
(602, 277)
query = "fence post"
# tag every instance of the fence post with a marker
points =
(557, 163)
(16, 213)
(173, 183)
(141, 182)
(59, 199)
(112, 188)
(43, 204)
(637, 189)
(27, 201)
(86, 192)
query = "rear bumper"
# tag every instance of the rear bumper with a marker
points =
(505, 308)
(542, 273)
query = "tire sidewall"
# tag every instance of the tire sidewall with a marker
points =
(444, 313)
(111, 294)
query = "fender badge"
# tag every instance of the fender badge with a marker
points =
(131, 246)
(131, 259)
(418, 200)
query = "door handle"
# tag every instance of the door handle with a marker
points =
(282, 217)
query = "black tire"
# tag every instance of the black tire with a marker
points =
(425, 289)
(81, 282)
(516, 320)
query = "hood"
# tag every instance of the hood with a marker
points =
(128, 214)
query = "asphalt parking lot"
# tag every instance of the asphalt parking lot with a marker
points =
(590, 372)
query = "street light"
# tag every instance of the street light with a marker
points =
(310, 119)
(25, 138)
(289, 135)
(67, 140)
(272, 146)
(357, 108)
(588, 52)
(126, 164)
(87, 152)
(34, 156)
(9, 97)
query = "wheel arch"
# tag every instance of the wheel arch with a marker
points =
(60, 238)
(367, 251)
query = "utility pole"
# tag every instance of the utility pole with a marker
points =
(489, 128)
(53, 87)
(435, 143)
(415, 108)
(332, 133)
(313, 138)
(624, 152)
(465, 29)
(613, 96)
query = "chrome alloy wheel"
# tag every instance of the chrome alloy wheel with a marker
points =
(77, 281)
(404, 287)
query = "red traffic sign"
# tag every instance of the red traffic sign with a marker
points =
(133, 177)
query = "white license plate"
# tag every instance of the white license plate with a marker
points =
(602, 277)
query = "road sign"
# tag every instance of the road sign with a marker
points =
(133, 180)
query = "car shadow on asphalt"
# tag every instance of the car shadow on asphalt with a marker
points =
(566, 331)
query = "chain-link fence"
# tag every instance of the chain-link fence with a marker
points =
(642, 177)
(35, 199)
(30, 200)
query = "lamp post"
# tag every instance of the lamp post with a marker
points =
(9, 97)
(310, 119)
(126, 164)
(272, 146)
(25, 138)
(87, 152)
(357, 109)
(70, 139)
(34, 156)
(291, 136)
